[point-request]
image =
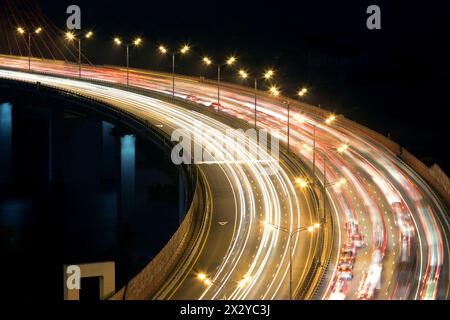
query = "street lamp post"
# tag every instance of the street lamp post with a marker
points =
(22, 31)
(325, 184)
(230, 61)
(70, 36)
(184, 50)
(136, 42)
(267, 76)
(301, 93)
(291, 234)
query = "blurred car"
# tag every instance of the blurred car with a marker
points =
(354, 234)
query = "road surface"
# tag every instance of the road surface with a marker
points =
(404, 224)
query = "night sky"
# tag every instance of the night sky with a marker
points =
(394, 80)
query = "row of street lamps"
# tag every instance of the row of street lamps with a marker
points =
(184, 50)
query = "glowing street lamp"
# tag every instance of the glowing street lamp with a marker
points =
(162, 49)
(202, 276)
(267, 75)
(274, 91)
(207, 61)
(302, 92)
(229, 62)
(21, 31)
(184, 50)
(70, 36)
(310, 229)
(330, 119)
(243, 74)
(136, 43)
(302, 183)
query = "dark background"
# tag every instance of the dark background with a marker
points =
(394, 80)
(75, 217)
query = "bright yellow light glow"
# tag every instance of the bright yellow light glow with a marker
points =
(208, 282)
(244, 281)
(342, 148)
(207, 60)
(307, 148)
(316, 225)
(20, 30)
(341, 182)
(231, 61)
(310, 229)
(243, 74)
(302, 183)
(302, 92)
(269, 74)
(137, 42)
(162, 49)
(117, 41)
(330, 119)
(89, 35)
(274, 91)
(38, 30)
(201, 276)
(185, 49)
(70, 36)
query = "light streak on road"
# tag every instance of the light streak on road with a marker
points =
(378, 182)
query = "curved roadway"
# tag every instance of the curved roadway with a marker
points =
(403, 223)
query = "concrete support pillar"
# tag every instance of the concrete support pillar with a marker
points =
(6, 143)
(108, 152)
(127, 176)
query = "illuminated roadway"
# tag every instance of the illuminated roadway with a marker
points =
(243, 195)
(404, 224)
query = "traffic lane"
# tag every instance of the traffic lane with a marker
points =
(222, 233)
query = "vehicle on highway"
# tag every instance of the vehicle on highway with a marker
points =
(354, 234)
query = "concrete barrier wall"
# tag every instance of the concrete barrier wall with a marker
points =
(440, 177)
(152, 277)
